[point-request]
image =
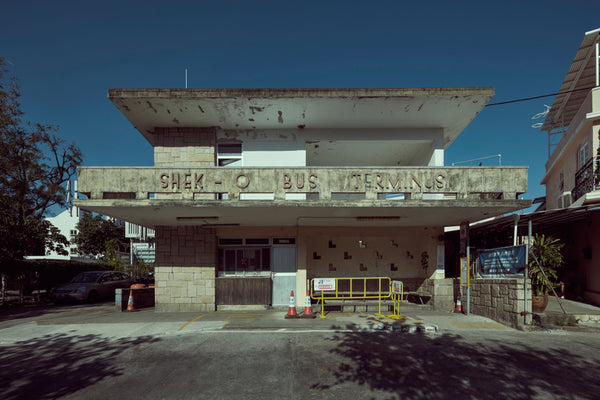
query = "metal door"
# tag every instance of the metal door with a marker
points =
(284, 274)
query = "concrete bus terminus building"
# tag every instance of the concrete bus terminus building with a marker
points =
(256, 191)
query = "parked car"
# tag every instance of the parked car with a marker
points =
(91, 286)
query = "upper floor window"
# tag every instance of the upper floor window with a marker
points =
(583, 155)
(229, 154)
(561, 182)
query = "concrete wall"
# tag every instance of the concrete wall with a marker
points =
(499, 299)
(186, 260)
(339, 147)
(264, 148)
(568, 165)
(406, 254)
(142, 298)
(398, 252)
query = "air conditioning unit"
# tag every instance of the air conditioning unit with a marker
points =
(564, 200)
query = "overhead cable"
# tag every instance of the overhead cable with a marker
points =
(539, 97)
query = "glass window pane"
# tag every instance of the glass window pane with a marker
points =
(229, 149)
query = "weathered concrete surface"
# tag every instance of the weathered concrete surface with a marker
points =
(452, 182)
(179, 196)
(449, 108)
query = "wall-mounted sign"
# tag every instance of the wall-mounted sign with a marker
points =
(505, 261)
(464, 271)
(324, 284)
(197, 180)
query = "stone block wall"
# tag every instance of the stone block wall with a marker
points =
(444, 294)
(185, 271)
(499, 299)
(185, 147)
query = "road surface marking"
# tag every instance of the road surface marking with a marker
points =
(189, 322)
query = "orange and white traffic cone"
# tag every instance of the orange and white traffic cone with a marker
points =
(130, 305)
(458, 308)
(308, 312)
(292, 308)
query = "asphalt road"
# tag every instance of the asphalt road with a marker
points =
(277, 364)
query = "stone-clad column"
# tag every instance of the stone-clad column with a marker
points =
(185, 271)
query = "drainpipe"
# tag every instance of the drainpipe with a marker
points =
(527, 270)
(517, 217)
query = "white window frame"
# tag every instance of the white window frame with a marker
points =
(229, 159)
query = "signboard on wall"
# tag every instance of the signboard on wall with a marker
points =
(324, 284)
(502, 262)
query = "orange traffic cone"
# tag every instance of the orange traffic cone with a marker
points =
(308, 313)
(292, 308)
(130, 305)
(458, 307)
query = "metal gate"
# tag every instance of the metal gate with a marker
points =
(284, 274)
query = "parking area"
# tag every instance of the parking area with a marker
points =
(27, 322)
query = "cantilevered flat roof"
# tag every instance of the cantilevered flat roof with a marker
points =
(451, 109)
(577, 84)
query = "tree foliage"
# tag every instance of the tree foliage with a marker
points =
(94, 232)
(35, 165)
(547, 253)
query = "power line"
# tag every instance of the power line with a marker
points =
(539, 97)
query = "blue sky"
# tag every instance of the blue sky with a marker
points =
(67, 54)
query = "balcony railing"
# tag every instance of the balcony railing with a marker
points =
(587, 178)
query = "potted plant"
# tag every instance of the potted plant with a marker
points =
(546, 252)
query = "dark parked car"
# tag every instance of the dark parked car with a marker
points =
(91, 286)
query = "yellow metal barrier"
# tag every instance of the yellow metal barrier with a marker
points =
(397, 294)
(350, 289)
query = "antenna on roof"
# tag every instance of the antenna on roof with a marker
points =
(186, 78)
(540, 115)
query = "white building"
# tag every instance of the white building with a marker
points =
(66, 222)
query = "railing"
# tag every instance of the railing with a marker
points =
(371, 288)
(586, 179)
(133, 231)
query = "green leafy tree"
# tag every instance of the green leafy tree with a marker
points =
(112, 254)
(35, 165)
(93, 234)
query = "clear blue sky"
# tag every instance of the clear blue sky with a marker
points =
(67, 54)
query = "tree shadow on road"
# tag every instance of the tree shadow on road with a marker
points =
(418, 366)
(57, 365)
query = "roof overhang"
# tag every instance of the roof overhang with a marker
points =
(450, 109)
(542, 221)
(151, 213)
(580, 78)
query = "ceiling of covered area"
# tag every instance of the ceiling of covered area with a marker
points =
(380, 152)
(152, 213)
(451, 109)
(580, 78)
